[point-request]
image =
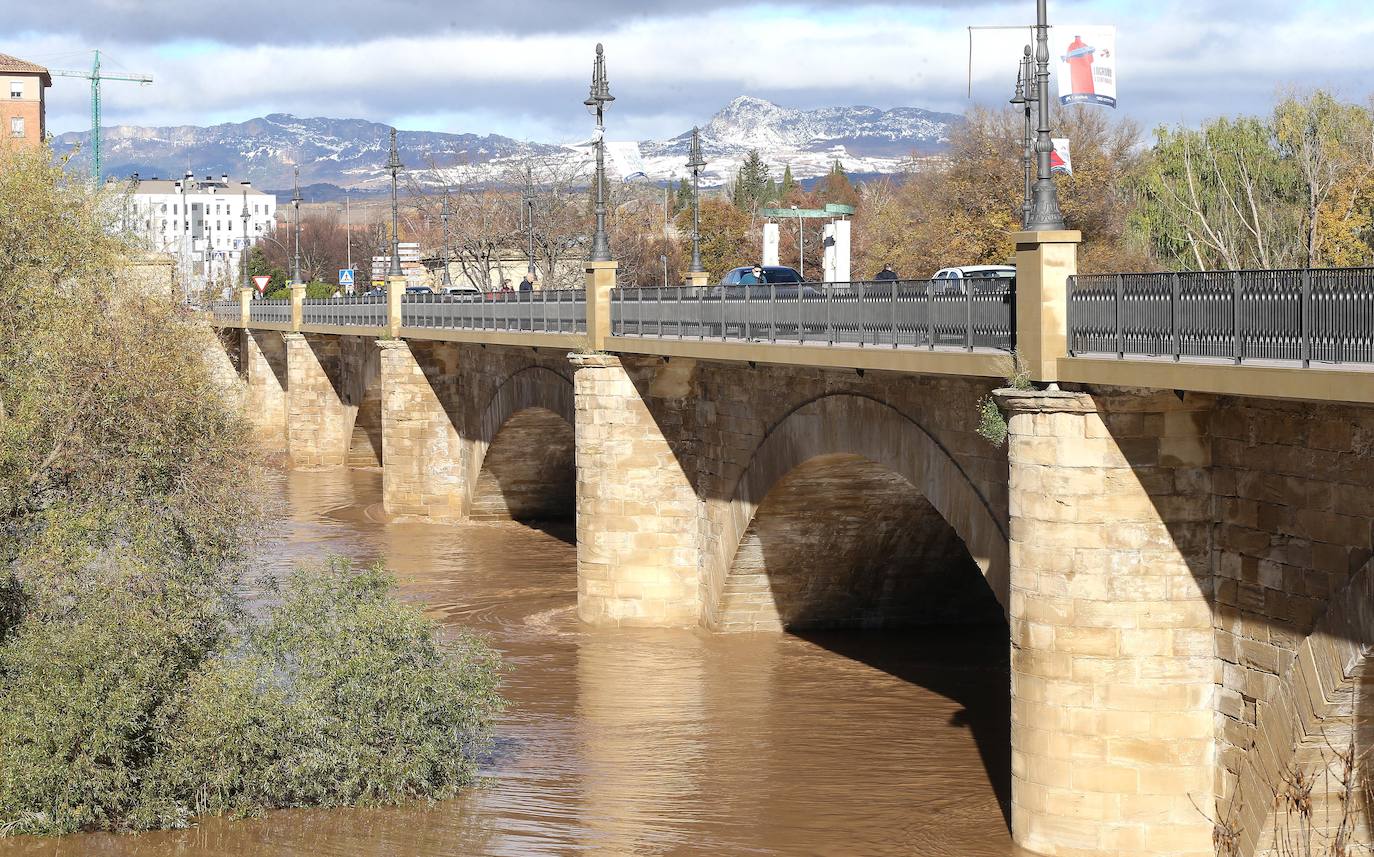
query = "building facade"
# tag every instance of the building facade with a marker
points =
(200, 223)
(25, 101)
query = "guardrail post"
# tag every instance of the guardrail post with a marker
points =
(297, 306)
(968, 314)
(600, 281)
(245, 307)
(395, 288)
(1175, 316)
(1044, 263)
(1306, 313)
(1235, 317)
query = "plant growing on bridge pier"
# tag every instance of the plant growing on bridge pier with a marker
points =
(992, 425)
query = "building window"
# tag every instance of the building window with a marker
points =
(16, 89)
(16, 126)
(174, 208)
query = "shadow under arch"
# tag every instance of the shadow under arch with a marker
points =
(1323, 704)
(863, 428)
(521, 465)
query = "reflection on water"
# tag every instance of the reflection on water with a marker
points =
(647, 742)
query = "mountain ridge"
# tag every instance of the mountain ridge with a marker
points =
(350, 153)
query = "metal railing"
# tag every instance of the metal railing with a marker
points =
(552, 311)
(271, 311)
(226, 311)
(350, 311)
(1299, 316)
(974, 314)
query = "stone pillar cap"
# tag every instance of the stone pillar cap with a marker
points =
(1045, 401)
(592, 360)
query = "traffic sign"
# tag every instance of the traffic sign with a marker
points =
(345, 276)
(261, 282)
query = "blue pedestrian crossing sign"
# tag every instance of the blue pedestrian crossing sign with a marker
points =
(345, 276)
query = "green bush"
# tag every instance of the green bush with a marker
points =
(342, 695)
(313, 291)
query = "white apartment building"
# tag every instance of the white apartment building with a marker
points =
(200, 222)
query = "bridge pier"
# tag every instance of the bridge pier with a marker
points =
(423, 456)
(637, 518)
(1112, 639)
(317, 416)
(263, 363)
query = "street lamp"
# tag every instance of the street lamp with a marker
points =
(597, 99)
(529, 219)
(243, 251)
(1026, 96)
(1045, 215)
(444, 214)
(296, 204)
(394, 166)
(695, 162)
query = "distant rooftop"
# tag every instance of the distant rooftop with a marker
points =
(216, 184)
(14, 65)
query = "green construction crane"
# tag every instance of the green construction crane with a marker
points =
(95, 75)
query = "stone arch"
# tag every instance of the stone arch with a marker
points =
(521, 463)
(858, 428)
(1320, 703)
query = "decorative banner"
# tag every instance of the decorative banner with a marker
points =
(1059, 157)
(1087, 64)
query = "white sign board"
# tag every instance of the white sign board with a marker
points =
(1087, 64)
(626, 161)
(261, 282)
(770, 244)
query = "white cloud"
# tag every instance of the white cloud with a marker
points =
(1179, 61)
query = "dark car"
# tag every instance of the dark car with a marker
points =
(771, 273)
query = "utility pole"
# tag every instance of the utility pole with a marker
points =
(445, 215)
(529, 220)
(243, 251)
(95, 75)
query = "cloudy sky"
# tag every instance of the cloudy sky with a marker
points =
(521, 67)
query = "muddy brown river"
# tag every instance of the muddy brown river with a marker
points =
(647, 742)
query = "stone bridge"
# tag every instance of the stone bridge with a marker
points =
(1180, 548)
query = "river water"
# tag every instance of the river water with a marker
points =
(623, 742)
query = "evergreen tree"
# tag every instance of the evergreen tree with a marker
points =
(788, 185)
(751, 182)
(683, 197)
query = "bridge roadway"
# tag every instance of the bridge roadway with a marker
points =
(1178, 532)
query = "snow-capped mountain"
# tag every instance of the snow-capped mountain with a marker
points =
(351, 153)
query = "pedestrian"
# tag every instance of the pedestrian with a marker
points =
(527, 284)
(505, 286)
(753, 277)
(886, 274)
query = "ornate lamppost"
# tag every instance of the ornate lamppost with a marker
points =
(445, 214)
(696, 162)
(296, 204)
(1045, 215)
(243, 251)
(529, 219)
(1026, 96)
(394, 166)
(597, 99)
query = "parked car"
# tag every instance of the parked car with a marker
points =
(419, 290)
(379, 292)
(980, 277)
(771, 273)
(463, 290)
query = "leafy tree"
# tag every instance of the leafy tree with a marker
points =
(837, 188)
(259, 266)
(728, 237)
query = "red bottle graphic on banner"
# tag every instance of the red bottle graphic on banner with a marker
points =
(1080, 60)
